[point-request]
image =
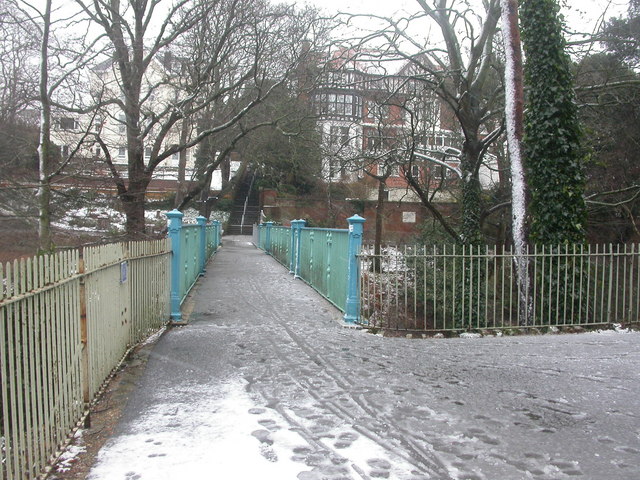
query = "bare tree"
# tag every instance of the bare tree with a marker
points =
(18, 125)
(514, 119)
(198, 67)
(60, 60)
(462, 70)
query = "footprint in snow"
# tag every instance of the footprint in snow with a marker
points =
(264, 436)
(346, 439)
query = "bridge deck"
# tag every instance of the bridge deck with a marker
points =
(265, 383)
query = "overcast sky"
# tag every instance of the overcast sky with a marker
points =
(581, 14)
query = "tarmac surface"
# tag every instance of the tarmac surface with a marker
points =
(265, 382)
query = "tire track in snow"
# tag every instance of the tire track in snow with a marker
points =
(403, 440)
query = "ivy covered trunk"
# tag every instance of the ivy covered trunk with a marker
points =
(552, 132)
(471, 232)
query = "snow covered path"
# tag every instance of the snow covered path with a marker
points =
(264, 383)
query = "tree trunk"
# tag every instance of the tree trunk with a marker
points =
(377, 242)
(471, 231)
(44, 149)
(133, 205)
(182, 165)
(205, 205)
(225, 170)
(514, 108)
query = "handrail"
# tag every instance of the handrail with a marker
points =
(246, 202)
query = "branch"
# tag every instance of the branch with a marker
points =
(457, 171)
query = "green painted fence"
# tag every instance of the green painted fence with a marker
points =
(323, 262)
(192, 245)
(280, 244)
(324, 258)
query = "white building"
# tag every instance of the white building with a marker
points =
(85, 137)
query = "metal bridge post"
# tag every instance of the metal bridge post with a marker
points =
(296, 226)
(202, 223)
(352, 307)
(175, 227)
(267, 238)
(218, 234)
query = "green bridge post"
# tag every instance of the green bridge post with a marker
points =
(296, 227)
(267, 238)
(175, 228)
(202, 223)
(218, 227)
(352, 306)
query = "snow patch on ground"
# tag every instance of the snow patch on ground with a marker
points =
(470, 335)
(617, 328)
(217, 437)
(154, 337)
(69, 456)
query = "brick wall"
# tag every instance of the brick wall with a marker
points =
(402, 221)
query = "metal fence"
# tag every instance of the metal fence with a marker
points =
(280, 241)
(466, 287)
(193, 245)
(323, 258)
(66, 321)
(323, 262)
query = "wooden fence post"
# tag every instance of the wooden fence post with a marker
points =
(84, 336)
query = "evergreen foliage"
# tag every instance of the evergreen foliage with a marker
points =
(621, 36)
(552, 132)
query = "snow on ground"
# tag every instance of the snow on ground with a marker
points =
(204, 439)
(101, 217)
(70, 455)
(265, 384)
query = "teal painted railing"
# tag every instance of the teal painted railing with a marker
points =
(323, 262)
(280, 244)
(326, 259)
(192, 245)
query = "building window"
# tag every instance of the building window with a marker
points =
(446, 173)
(67, 123)
(65, 151)
(392, 169)
(415, 171)
(374, 142)
(97, 124)
(339, 105)
(175, 156)
(379, 113)
(122, 127)
(122, 153)
(147, 153)
(338, 136)
(336, 168)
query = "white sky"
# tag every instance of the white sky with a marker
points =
(580, 14)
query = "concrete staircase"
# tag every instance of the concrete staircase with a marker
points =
(246, 208)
